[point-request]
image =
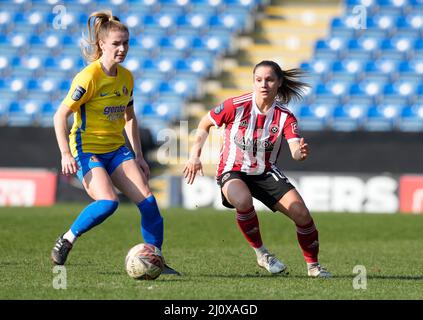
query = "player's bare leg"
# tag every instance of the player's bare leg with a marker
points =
(292, 205)
(239, 196)
(99, 187)
(130, 179)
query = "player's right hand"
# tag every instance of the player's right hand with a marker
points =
(191, 169)
(69, 165)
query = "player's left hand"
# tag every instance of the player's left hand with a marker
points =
(191, 168)
(304, 150)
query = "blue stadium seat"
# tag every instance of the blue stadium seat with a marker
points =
(317, 66)
(362, 48)
(178, 42)
(195, 65)
(418, 49)
(343, 27)
(380, 70)
(392, 7)
(382, 117)
(47, 112)
(233, 22)
(23, 113)
(348, 117)
(380, 26)
(162, 64)
(346, 70)
(400, 89)
(247, 4)
(411, 70)
(195, 20)
(332, 91)
(411, 118)
(331, 48)
(365, 92)
(161, 110)
(161, 21)
(313, 117)
(397, 48)
(148, 87)
(213, 43)
(410, 25)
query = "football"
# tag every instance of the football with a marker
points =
(144, 262)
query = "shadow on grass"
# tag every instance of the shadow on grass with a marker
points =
(289, 276)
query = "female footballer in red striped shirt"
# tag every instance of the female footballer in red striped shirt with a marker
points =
(255, 126)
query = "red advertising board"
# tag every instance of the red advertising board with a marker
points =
(411, 193)
(27, 187)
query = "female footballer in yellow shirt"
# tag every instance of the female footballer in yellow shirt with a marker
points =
(101, 100)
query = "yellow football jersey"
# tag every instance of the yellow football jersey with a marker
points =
(99, 102)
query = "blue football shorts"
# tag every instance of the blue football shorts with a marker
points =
(109, 161)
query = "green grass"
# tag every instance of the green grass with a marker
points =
(216, 262)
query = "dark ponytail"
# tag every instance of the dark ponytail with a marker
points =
(291, 88)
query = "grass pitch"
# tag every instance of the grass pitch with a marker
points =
(207, 247)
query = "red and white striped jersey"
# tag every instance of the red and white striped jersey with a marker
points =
(252, 140)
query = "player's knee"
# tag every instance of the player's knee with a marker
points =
(243, 203)
(301, 214)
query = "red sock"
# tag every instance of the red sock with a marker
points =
(249, 225)
(308, 238)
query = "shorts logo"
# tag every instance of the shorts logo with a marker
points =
(274, 128)
(94, 159)
(219, 109)
(225, 177)
(125, 90)
(78, 93)
(294, 127)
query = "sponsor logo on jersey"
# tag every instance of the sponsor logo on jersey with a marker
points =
(113, 113)
(252, 144)
(78, 93)
(219, 109)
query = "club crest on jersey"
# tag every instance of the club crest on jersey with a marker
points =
(294, 127)
(78, 93)
(218, 109)
(274, 128)
(125, 90)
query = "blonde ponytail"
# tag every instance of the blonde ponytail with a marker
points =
(99, 26)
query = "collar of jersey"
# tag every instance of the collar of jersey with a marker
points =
(257, 108)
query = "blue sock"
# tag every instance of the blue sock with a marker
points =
(151, 222)
(93, 214)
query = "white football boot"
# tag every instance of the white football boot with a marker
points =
(315, 270)
(272, 264)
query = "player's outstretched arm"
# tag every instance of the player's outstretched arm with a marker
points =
(60, 120)
(194, 163)
(299, 150)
